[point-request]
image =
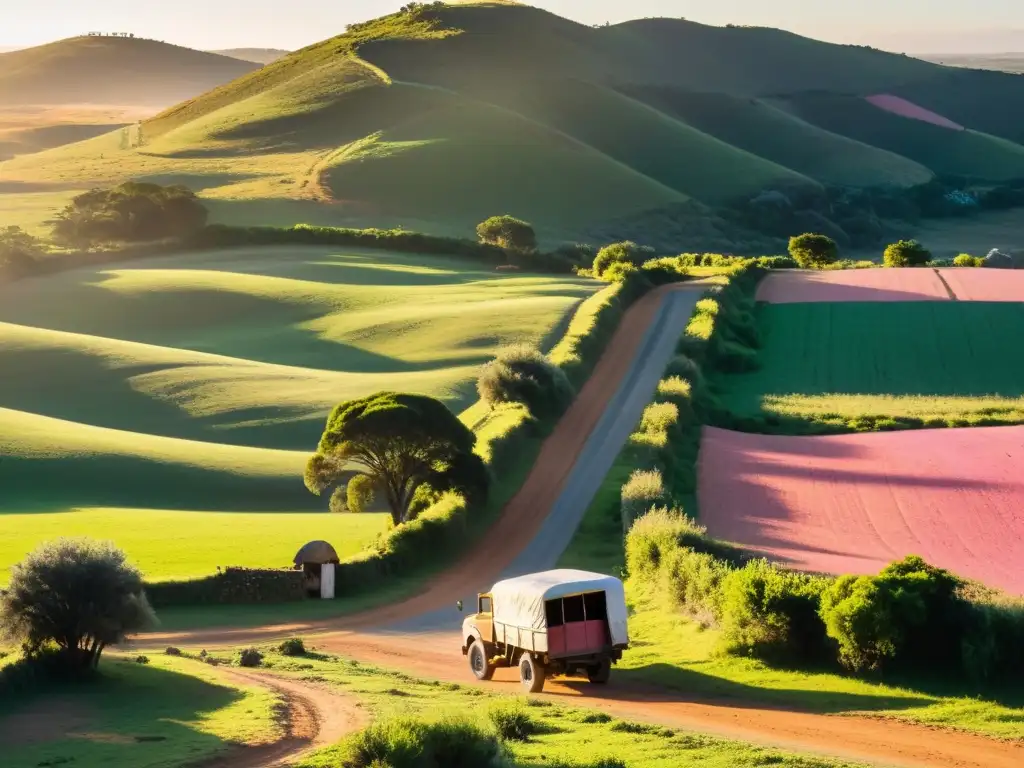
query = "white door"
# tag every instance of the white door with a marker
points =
(327, 581)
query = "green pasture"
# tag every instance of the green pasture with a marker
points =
(942, 361)
(173, 544)
(170, 712)
(202, 382)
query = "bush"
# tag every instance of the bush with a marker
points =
(409, 743)
(966, 260)
(19, 253)
(172, 651)
(360, 492)
(507, 232)
(232, 586)
(906, 253)
(908, 616)
(293, 646)
(813, 251)
(250, 657)
(78, 594)
(521, 374)
(131, 212)
(512, 722)
(772, 613)
(625, 254)
(644, 489)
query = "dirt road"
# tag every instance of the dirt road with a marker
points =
(420, 635)
(314, 717)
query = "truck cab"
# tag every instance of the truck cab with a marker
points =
(480, 625)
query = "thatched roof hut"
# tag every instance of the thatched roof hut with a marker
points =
(315, 553)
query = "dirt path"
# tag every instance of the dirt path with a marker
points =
(315, 716)
(436, 655)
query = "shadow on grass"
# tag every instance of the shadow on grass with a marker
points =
(126, 714)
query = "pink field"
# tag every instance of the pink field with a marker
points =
(854, 503)
(985, 284)
(908, 109)
(788, 287)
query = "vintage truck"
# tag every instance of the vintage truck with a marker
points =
(552, 623)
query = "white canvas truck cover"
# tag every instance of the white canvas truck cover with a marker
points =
(520, 601)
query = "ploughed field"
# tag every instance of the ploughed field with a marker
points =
(873, 349)
(855, 503)
(198, 384)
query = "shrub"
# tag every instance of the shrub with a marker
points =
(966, 260)
(410, 743)
(172, 651)
(644, 489)
(250, 657)
(521, 374)
(142, 659)
(360, 492)
(812, 251)
(507, 232)
(626, 253)
(78, 594)
(906, 253)
(772, 613)
(293, 646)
(512, 721)
(19, 253)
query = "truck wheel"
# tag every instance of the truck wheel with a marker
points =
(600, 672)
(531, 674)
(479, 661)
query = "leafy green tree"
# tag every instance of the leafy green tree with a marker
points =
(812, 251)
(78, 594)
(906, 253)
(399, 443)
(507, 232)
(130, 212)
(360, 493)
(19, 253)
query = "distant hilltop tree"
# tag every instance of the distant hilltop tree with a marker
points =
(132, 212)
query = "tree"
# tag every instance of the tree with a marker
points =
(906, 253)
(130, 212)
(78, 594)
(507, 232)
(399, 443)
(812, 251)
(19, 253)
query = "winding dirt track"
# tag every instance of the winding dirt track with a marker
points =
(436, 655)
(315, 717)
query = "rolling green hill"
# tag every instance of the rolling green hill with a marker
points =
(433, 119)
(764, 130)
(255, 55)
(944, 151)
(112, 70)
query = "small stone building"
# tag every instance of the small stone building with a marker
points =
(310, 560)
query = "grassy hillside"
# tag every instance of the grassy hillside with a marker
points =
(774, 134)
(111, 70)
(255, 55)
(202, 382)
(930, 360)
(434, 119)
(944, 151)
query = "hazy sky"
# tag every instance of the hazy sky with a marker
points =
(903, 25)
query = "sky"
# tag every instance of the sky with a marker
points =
(911, 26)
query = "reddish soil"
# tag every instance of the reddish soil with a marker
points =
(985, 284)
(910, 110)
(854, 503)
(790, 287)
(314, 717)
